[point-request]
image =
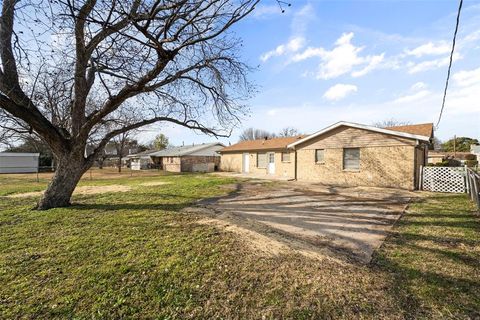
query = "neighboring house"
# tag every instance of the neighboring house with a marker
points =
(342, 154)
(475, 149)
(435, 157)
(194, 158)
(16, 162)
(141, 160)
(439, 156)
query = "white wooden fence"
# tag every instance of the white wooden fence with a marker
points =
(443, 179)
(451, 179)
(473, 186)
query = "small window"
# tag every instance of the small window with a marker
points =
(285, 156)
(261, 160)
(351, 159)
(320, 155)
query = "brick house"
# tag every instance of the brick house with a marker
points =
(194, 158)
(344, 153)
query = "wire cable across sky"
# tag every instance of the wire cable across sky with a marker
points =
(450, 64)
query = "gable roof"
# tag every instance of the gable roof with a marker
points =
(143, 154)
(364, 127)
(423, 129)
(19, 154)
(262, 144)
(186, 150)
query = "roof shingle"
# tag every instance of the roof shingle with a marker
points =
(424, 129)
(262, 144)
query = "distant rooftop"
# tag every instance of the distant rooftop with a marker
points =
(262, 144)
(184, 150)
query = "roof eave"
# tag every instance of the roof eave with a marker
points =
(359, 126)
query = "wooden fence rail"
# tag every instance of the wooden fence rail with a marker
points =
(473, 186)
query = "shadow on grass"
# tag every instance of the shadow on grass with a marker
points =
(433, 262)
(183, 202)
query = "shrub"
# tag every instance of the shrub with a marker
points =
(471, 163)
(470, 157)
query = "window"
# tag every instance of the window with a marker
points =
(320, 155)
(261, 160)
(285, 156)
(351, 159)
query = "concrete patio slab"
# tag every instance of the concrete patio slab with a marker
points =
(350, 222)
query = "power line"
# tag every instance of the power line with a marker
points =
(282, 3)
(450, 64)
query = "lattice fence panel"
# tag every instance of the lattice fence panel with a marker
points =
(443, 179)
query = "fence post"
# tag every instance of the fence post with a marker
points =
(420, 179)
(476, 183)
(467, 182)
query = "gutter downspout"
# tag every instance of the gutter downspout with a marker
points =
(416, 173)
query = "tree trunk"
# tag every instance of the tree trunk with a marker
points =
(70, 169)
(120, 163)
(100, 163)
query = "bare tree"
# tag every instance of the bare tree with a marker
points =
(289, 132)
(255, 134)
(122, 142)
(391, 123)
(176, 61)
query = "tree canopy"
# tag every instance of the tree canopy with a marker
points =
(71, 70)
(462, 144)
(160, 142)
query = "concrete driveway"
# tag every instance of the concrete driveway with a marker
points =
(349, 222)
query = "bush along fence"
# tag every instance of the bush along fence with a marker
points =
(451, 179)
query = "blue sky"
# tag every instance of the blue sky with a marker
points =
(362, 61)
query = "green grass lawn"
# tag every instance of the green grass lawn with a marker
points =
(135, 255)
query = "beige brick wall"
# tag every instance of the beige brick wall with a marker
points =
(233, 162)
(391, 166)
(199, 163)
(172, 164)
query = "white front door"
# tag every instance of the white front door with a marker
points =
(245, 162)
(271, 163)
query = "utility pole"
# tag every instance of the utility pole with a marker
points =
(455, 146)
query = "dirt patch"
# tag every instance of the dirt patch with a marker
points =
(257, 241)
(154, 183)
(261, 239)
(84, 190)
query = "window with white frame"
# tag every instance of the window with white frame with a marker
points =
(261, 160)
(285, 156)
(351, 159)
(319, 155)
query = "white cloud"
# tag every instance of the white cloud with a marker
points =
(339, 91)
(301, 18)
(309, 53)
(372, 65)
(429, 49)
(272, 112)
(262, 11)
(293, 45)
(467, 77)
(418, 86)
(431, 64)
(413, 97)
(341, 59)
